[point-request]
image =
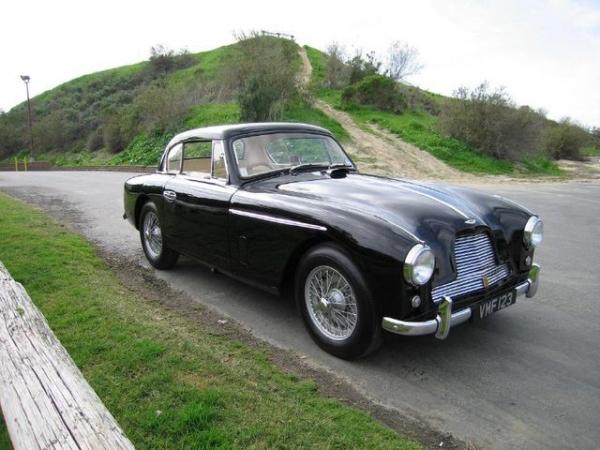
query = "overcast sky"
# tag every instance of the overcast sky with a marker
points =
(546, 53)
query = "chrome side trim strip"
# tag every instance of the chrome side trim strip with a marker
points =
(275, 219)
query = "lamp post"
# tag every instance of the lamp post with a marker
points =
(26, 79)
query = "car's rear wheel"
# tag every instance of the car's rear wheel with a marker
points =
(153, 243)
(336, 304)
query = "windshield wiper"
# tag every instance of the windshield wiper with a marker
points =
(340, 166)
(299, 167)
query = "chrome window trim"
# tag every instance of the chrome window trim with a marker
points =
(212, 162)
(210, 177)
(166, 160)
(279, 220)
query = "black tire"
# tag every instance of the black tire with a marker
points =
(366, 335)
(162, 257)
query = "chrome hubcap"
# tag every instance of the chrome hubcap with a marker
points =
(330, 302)
(152, 235)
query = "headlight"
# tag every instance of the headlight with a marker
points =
(419, 265)
(534, 231)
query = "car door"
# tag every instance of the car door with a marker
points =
(197, 203)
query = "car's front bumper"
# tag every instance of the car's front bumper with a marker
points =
(446, 319)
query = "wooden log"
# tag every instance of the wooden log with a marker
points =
(45, 400)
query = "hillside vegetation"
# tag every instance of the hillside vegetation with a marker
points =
(126, 115)
(478, 131)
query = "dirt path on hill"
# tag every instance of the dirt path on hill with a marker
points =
(381, 152)
(377, 150)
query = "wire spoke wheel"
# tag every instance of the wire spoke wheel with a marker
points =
(152, 234)
(331, 303)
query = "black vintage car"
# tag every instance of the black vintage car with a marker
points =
(283, 207)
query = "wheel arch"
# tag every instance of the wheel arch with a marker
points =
(287, 280)
(139, 203)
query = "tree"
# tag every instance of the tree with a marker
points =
(490, 122)
(12, 134)
(596, 136)
(565, 140)
(403, 61)
(338, 73)
(263, 73)
(362, 67)
(164, 60)
(379, 91)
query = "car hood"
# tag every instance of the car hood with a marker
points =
(422, 210)
(418, 212)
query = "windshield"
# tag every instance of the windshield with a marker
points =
(256, 155)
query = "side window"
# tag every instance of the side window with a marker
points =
(174, 159)
(196, 158)
(219, 168)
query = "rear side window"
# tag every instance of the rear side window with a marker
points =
(197, 158)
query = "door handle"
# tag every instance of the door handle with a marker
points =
(170, 196)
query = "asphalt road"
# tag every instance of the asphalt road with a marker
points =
(528, 377)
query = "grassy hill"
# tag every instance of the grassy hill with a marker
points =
(127, 114)
(421, 128)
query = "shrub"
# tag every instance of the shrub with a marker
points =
(55, 131)
(12, 134)
(565, 140)
(490, 122)
(263, 72)
(259, 101)
(378, 91)
(164, 60)
(419, 100)
(95, 140)
(337, 73)
(118, 129)
(362, 67)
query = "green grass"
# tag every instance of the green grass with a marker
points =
(318, 61)
(146, 150)
(422, 130)
(4, 439)
(539, 166)
(590, 151)
(170, 382)
(301, 112)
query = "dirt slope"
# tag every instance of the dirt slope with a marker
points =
(379, 151)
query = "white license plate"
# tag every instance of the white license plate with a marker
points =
(489, 307)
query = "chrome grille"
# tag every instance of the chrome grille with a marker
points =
(475, 259)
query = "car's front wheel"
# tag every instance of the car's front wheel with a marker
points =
(336, 304)
(153, 243)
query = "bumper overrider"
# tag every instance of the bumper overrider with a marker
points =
(446, 319)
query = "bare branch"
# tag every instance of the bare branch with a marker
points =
(402, 61)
